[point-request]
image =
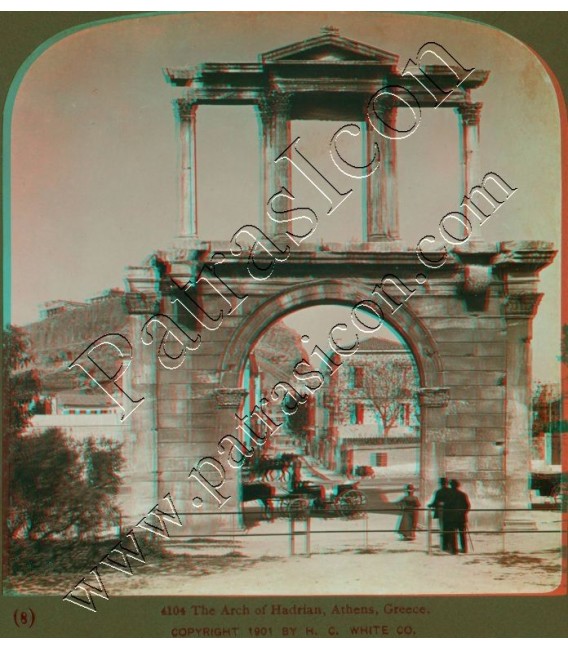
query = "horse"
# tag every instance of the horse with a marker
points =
(286, 465)
(269, 466)
(262, 492)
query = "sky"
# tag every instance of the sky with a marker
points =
(95, 156)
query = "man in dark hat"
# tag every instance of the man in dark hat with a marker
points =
(455, 515)
(440, 497)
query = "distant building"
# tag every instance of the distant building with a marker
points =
(66, 330)
(369, 414)
(78, 415)
(55, 307)
(68, 400)
(546, 428)
(271, 362)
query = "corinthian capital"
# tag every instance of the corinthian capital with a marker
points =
(273, 103)
(230, 398)
(470, 113)
(434, 397)
(522, 305)
(186, 108)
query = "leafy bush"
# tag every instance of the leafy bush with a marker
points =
(61, 488)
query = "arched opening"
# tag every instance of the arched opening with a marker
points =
(321, 292)
(345, 421)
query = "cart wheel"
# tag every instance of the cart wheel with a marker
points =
(350, 503)
(298, 508)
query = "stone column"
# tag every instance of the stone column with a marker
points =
(275, 125)
(433, 402)
(229, 401)
(469, 116)
(188, 210)
(374, 184)
(140, 489)
(382, 187)
(519, 311)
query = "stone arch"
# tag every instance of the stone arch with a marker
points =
(404, 321)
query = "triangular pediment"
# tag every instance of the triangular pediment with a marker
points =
(329, 47)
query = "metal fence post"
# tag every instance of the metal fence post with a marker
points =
(429, 534)
(292, 536)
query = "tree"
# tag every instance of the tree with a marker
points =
(54, 486)
(387, 386)
(61, 487)
(298, 422)
(20, 384)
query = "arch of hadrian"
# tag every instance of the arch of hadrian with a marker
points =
(469, 326)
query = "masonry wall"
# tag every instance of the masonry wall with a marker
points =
(470, 343)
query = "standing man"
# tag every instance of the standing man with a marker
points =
(441, 496)
(460, 507)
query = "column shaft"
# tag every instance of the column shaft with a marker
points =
(433, 403)
(382, 188)
(374, 184)
(275, 125)
(188, 208)
(469, 148)
(519, 310)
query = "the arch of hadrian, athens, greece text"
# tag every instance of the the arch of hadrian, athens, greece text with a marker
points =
(468, 326)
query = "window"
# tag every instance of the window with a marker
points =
(351, 378)
(359, 413)
(380, 459)
(358, 377)
(356, 414)
(353, 413)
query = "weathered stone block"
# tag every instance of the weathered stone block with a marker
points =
(173, 421)
(492, 363)
(493, 348)
(487, 378)
(460, 464)
(455, 348)
(172, 449)
(174, 407)
(173, 391)
(173, 435)
(490, 463)
(468, 363)
(490, 335)
(458, 334)
(173, 377)
(474, 406)
(495, 435)
(175, 463)
(472, 448)
(459, 434)
(480, 420)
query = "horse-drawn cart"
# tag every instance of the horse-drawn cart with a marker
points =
(306, 497)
